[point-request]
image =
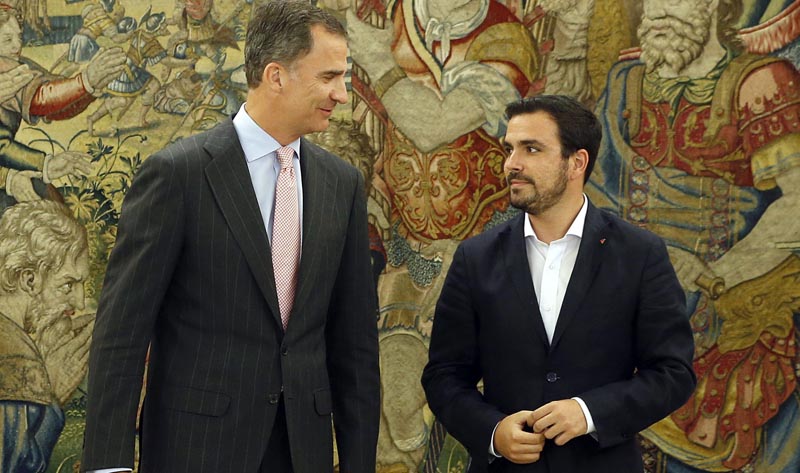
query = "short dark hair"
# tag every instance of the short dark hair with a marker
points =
(280, 31)
(578, 127)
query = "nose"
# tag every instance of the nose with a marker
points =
(77, 299)
(339, 91)
(652, 9)
(511, 163)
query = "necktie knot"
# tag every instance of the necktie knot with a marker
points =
(285, 156)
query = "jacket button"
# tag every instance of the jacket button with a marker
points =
(274, 398)
(284, 351)
(552, 377)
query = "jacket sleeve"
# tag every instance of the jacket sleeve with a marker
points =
(450, 378)
(352, 344)
(139, 271)
(664, 347)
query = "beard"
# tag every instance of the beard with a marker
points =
(674, 41)
(41, 319)
(537, 201)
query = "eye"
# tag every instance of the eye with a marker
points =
(66, 288)
(531, 149)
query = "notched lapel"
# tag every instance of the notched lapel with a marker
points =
(516, 260)
(232, 187)
(319, 191)
(586, 266)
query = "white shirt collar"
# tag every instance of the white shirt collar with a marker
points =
(576, 229)
(257, 143)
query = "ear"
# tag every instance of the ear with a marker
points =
(274, 76)
(30, 282)
(578, 164)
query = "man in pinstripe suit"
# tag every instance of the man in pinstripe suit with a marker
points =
(232, 387)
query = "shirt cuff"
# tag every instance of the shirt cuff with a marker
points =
(590, 429)
(109, 470)
(492, 453)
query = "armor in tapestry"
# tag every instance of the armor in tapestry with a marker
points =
(144, 51)
(452, 191)
(695, 161)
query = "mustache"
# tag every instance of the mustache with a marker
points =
(517, 176)
(669, 20)
(693, 27)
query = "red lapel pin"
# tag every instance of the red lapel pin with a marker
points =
(602, 241)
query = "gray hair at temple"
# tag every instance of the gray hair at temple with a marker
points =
(38, 236)
(280, 32)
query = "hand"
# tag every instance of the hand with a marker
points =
(688, 267)
(370, 48)
(67, 162)
(514, 443)
(104, 67)
(65, 348)
(20, 186)
(12, 81)
(561, 421)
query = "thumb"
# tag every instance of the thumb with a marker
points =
(31, 174)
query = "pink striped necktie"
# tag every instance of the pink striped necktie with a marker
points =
(286, 234)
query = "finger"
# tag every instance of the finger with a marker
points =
(82, 321)
(82, 166)
(83, 351)
(526, 439)
(31, 174)
(544, 424)
(523, 458)
(26, 196)
(563, 438)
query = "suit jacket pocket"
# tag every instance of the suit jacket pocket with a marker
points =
(322, 402)
(195, 401)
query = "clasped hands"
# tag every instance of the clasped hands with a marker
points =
(520, 437)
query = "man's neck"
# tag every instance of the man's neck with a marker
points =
(552, 224)
(270, 122)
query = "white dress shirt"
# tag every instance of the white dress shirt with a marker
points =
(260, 151)
(551, 267)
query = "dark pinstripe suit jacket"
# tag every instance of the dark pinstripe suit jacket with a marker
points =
(191, 274)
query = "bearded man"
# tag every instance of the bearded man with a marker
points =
(702, 149)
(44, 349)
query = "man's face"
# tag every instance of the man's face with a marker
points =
(674, 32)
(62, 290)
(535, 170)
(315, 84)
(10, 39)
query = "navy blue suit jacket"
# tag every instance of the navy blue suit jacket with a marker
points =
(622, 343)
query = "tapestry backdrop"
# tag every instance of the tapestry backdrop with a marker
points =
(700, 104)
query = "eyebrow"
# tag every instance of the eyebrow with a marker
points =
(530, 142)
(332, 73)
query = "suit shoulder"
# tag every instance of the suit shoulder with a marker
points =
(328, 160)
(630, 232)
(489, 237)
(186, 151)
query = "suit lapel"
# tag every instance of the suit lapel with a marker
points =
(319, 189)
(586, 265)
(232, 187)
(516, 260)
